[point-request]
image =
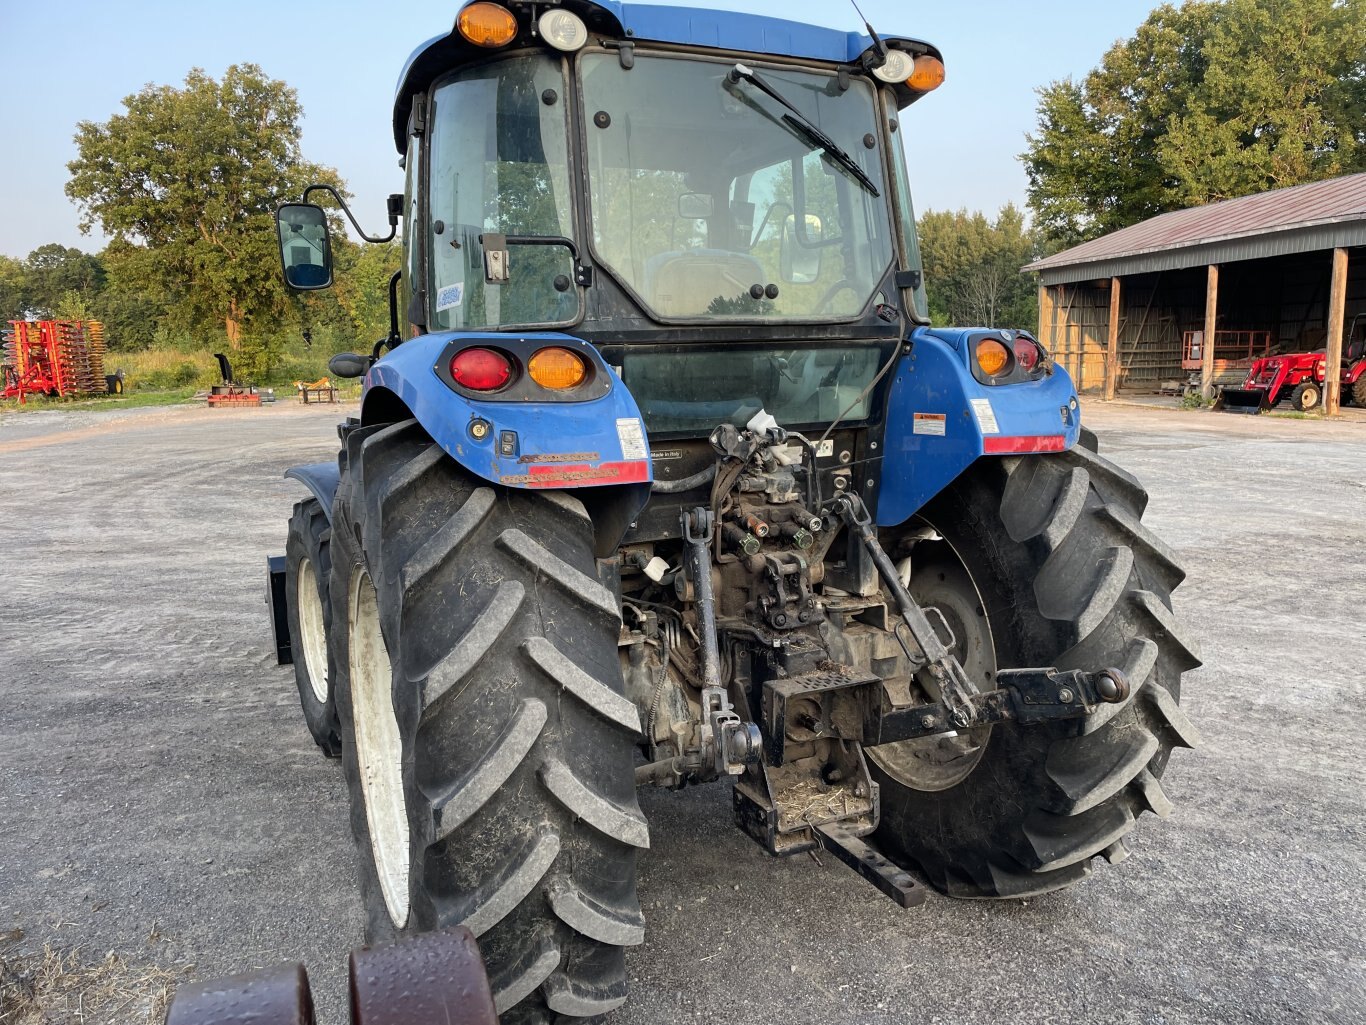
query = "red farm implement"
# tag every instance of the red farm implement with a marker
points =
(1234, 354)
(57, 358)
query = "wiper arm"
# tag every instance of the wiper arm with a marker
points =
(804, 127)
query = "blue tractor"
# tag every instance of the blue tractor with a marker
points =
(663, 477)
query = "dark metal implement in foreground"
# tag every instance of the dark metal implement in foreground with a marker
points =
(437, 978)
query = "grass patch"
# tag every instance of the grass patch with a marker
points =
(1295, 415)
(49, 987)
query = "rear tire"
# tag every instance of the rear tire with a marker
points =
(308, 572)
(1306, 396)
(1066, 576)
(511, 756)
(1359, 391)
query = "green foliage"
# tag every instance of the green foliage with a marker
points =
(1212, 100)
(972, 268)
(52, 278)
(1193, 399)
(11, 289)
(185, 182)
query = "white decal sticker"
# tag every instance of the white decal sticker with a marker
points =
(632, 438)
(450, 297)
(986, 416)
(929, 423)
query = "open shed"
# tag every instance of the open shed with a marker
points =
(1281, 271)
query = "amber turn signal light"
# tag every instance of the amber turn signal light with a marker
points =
(557, 368)
(487, 25)
(928, 74)
(992, 357)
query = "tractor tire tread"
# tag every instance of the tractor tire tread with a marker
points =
(310, 536)
(1102, 581)
(522, 806)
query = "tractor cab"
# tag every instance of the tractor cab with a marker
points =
(733, 231)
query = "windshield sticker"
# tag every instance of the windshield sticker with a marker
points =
(632, 438)
(929, 423)
(986, 416)
(450, 297)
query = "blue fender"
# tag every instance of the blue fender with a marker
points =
(941, 419)
(527, 444)
(321, 479)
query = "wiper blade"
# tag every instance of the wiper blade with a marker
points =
(804, 127)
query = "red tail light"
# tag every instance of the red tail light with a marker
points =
(1026, 353)
(481, 369)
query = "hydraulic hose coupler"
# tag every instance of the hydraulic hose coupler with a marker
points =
(740, 539)
(798, 535)
(754, 525)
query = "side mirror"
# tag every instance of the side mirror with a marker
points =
(799, 253)
(305, 249)
(348, 364)
(695, 206)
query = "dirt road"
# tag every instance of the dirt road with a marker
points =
(156, 779)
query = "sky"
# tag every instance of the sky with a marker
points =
(343, 58)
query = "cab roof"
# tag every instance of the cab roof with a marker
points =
(683, 26)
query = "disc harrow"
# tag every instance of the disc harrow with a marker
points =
(57, 358)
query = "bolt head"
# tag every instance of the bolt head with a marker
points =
(1065, 695)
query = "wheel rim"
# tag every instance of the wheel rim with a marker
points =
(941, 581)
(312, 633)
(379, 748)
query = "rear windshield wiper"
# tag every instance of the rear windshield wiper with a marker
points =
(804, 127)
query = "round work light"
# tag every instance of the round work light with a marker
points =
(898, 67)
(562, 29)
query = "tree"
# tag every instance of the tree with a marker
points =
(1208, 101)
(185, 183)
(12, 302)
(55, 275)
(972, 268)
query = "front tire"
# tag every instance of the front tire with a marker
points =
(487, 744)
(308, 571)
(1064, 575)
(1306, 396)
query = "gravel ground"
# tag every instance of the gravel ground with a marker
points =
(160, 797)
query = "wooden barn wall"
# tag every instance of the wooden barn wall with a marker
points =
(1287, 296)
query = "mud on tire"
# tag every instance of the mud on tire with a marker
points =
(517, 743)
(308, 565)
(1070, 578)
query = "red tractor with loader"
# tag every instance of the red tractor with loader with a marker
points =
(1299, 376)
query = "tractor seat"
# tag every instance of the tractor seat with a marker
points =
(685, 284)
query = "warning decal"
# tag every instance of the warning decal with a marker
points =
(632, 438)
(929, 423)
(986, 416)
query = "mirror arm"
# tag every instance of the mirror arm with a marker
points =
(393, 217)
(395, 339)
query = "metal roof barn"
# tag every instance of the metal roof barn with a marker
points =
(1268, 272)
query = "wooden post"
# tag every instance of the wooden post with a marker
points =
(1112, 344)
(1046, 312)
(1337, 315)
(1207, 339)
